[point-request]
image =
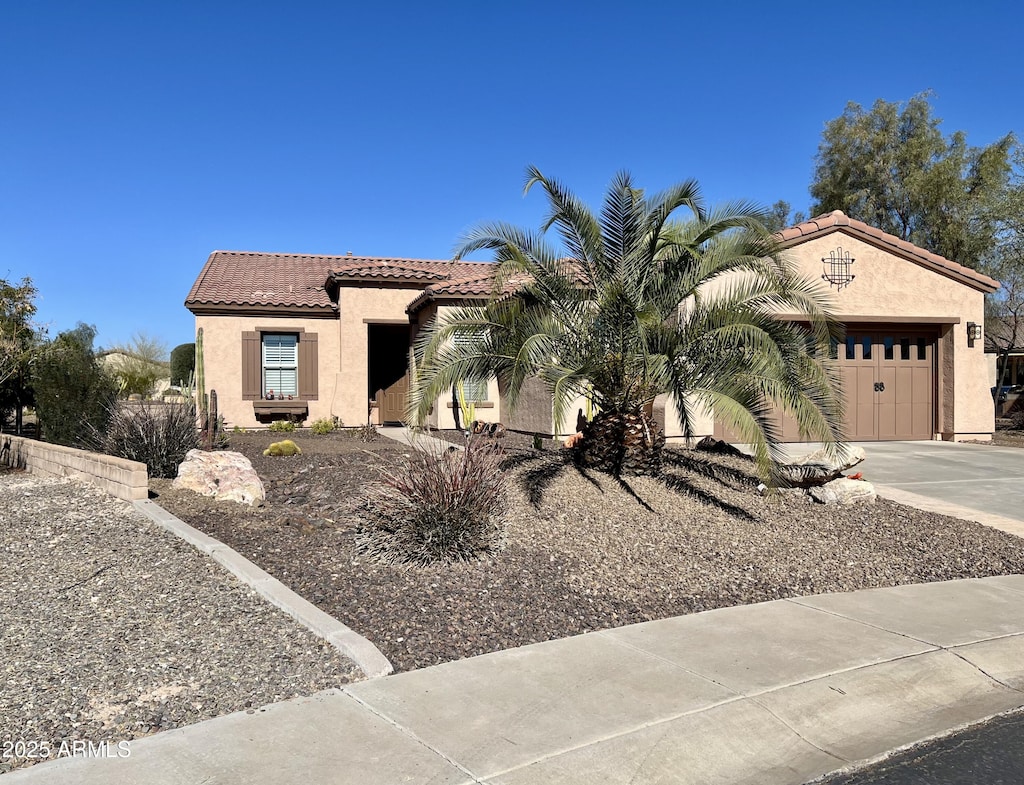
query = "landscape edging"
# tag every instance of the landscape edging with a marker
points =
(350, 643)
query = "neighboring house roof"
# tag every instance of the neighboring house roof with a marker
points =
(836, 221)
(998, 332)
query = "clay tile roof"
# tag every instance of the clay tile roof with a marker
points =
(833, 221)
(281, 282)
(244, 278)
(413, 270)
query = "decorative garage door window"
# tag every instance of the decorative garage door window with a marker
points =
(280, 364)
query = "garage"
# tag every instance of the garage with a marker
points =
(912, 363)
(888, 379)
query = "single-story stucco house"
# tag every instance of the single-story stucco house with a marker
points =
(330, 335)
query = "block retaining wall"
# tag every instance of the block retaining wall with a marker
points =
(117, 476)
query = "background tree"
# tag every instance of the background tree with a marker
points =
(892, 168)
(183, 363)
(19, 336)
(73, 392)
(780, 215)
(1004, 309)
(636, 303)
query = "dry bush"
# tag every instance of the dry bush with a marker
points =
(435, 507)
(157, 434)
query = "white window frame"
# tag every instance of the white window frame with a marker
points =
(279, 363)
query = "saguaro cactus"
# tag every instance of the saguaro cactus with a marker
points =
(211, 422)
(200, 375)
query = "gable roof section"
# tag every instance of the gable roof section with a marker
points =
(300, 284)
(417, 272)
(837, 221)
(270, 282)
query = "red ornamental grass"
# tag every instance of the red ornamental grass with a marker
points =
(435, 507)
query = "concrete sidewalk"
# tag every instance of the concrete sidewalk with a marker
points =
(780, 692)
(423, 440)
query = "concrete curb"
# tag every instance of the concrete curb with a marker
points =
(353, 645)
(929, 504)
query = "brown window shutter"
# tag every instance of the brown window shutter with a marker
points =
(252, 367)
(309, 367)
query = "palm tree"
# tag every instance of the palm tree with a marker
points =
(635, 304)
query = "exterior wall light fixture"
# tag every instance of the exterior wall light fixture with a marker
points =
(973, 333)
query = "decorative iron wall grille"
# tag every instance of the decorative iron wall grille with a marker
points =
(837, 268)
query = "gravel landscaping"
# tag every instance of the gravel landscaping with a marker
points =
(114, 629)
(583, 551)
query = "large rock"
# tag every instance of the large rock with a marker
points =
(819, 467)
(223, 475)
(843, 491)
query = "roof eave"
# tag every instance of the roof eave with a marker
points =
(263, 309)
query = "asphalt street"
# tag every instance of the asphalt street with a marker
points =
(988, 754)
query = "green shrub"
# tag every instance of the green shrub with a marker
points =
(156, 434)
(73, 393)
(183, 362)
(285, 448)
(435, 507)
(322, 426)
(282, 426)
(238, 429)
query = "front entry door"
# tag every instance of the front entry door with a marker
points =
(888, 380)
(391, 401)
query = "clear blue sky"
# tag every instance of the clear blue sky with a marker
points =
(140, 136)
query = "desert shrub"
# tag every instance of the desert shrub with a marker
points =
(284, 448)
(1017, 419)
(367, 433)
(156, 434)
(282, 426)
(183, 362)
(238, 429)
(322, 426)
(73, 393)
(435, 507)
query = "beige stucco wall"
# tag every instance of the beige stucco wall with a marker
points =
(358, 308)
(888, 286)
(443, 416)
(222, 358)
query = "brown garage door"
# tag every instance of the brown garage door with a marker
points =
(888, 379)
(889, 383)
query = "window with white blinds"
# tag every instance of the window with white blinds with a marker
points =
(470, 390)
(280, 364)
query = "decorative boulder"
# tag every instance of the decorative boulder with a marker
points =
(819, 468)
(224, 475)
(843, 491)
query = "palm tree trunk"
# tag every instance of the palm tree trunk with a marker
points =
(622, 443)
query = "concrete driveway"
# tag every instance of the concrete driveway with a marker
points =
(973, 476)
